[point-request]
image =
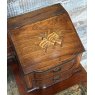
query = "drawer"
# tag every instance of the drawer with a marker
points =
(43, 75)
(68, 65)
(51, 76)
(54, 79)
(29, 80)
(56, 70)
(51, 72)
(44, 83)
(64, 74)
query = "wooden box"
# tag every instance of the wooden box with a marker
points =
(47, 46)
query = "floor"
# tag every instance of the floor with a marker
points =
(77, 11)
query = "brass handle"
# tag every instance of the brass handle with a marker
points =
(56, 78)
(57, 69)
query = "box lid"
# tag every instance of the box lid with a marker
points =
(42, 37)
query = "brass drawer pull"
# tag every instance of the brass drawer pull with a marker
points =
(56, 78)
(57, 69)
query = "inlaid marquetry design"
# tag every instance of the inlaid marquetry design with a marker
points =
(51, 39)
(47, 46)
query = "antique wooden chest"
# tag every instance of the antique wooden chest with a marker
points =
(47, 46)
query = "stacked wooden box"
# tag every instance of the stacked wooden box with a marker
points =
(47, 46)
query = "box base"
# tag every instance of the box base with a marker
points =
(80, 77)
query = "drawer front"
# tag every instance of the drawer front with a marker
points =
(43, 83)
(50, 77)
(29, 81)
(56, 70)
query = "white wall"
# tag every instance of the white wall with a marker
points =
(17, 7)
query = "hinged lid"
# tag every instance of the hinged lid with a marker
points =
(44, 36)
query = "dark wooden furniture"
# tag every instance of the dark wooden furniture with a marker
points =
(79, 77)
(47, 46)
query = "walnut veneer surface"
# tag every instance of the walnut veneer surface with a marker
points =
(47, 46)
(77, 11)
(26, 39)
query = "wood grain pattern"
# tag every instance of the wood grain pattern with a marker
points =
(25, 38)
(27, 34)
(19, 21)
(77, 12)
(78, 78)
